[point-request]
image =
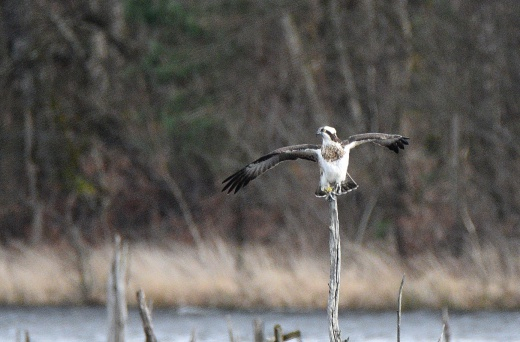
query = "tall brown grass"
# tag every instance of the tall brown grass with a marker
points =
(219, 274)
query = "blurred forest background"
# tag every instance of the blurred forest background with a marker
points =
(126, 115)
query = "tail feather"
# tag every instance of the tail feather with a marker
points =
(320, 192)
(347, 185)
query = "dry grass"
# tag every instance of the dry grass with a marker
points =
(257, 276)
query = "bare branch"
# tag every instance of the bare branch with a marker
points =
(146, 317)
(399, 299)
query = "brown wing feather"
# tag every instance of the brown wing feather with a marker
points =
(392, 141)
(242, 177)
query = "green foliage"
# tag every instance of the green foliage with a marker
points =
(67, 162)
(433, 144)
(164, 13)
(172, 65)
(190, 134)
(382, 228)
(181, 58)
(234, 6)
(82, 186)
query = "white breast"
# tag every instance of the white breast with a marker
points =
(333, 172)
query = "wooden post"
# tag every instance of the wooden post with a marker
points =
(146, 317)
(230, 329)
(335, 269)
(258, 327)
(446, 325)
(22, 336)
(278, 336)
(116, 294)
(193, 336)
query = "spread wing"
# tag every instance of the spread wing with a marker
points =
(391, 141)
(243, 176)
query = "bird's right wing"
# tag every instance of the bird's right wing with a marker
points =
(243, 176)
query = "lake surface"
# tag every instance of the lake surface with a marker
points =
(74, 324)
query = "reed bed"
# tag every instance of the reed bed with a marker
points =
(219, 274)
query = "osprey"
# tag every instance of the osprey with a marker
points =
(332, 156)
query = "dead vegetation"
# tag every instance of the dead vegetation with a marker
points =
(258, 276)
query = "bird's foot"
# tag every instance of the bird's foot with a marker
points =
(331, 194)
(327, 192)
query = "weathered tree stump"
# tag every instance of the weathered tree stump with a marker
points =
(335, 270)
(116, 293)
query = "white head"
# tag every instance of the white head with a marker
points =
(328, 134)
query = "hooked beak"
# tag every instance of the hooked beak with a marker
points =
(319, 132)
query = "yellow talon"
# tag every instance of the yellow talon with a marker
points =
(328, 189)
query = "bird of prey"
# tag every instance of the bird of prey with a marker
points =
(332, 156)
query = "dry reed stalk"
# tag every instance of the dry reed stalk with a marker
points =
(269, 277)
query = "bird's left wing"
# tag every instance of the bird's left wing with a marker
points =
(391, 141)
(243, 176)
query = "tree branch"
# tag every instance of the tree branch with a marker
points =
(146, 317)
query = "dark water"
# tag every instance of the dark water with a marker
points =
(89, 324)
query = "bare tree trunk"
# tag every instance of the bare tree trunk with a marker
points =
(116, 293)
(335, 270)
(460, 201)
(81, 250)
(401, 7)
(183, 204)
(30, 166)
(373, 49)
(345, 67)
(401, 87)
(365, 218)
(320, 114)
(457, 185)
